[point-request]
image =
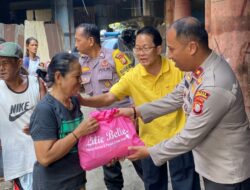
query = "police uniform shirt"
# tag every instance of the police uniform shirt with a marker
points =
(99, 74)
(217, 128)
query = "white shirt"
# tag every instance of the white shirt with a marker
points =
(15, 110)
(33, 66)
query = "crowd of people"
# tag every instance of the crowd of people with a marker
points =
(188, 107)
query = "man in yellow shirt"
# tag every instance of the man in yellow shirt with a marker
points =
(154, 77)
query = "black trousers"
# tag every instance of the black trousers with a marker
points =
(113, 176)
(209, 185)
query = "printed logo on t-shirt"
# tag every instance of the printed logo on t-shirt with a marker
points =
(17, 110)
(69, 126)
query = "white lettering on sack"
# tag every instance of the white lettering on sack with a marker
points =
(116, 134)
(95, 140)
(107, 145)
(112, 137)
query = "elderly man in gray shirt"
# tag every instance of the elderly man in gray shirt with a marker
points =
(217, 127)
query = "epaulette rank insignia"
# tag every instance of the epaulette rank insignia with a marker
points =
(197, 73)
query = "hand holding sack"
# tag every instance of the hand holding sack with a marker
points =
(110, 141)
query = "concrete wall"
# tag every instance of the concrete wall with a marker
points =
(228, 25)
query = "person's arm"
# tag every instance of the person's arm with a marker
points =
(205, 116)
(42, 88)
(197, 128)
(97, 101)
(49, 151)
(43, 130)
(169, 103)
(150, 111)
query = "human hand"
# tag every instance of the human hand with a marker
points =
(129, 112)
(86, 127)
(42, 67)
(26, 129)
(138, 152)
(41, 64)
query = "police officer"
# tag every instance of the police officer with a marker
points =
(101, 68)
(217, 127)
(155, 76)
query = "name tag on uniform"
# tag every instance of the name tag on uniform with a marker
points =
(85, 69)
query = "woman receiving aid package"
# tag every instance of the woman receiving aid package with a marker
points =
(56, 125)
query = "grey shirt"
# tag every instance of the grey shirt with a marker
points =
(217, 128)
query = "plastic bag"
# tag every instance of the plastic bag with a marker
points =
(110, 141)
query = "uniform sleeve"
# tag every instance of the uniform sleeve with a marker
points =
(200, 123)
(43, 123)
(121, 88)
(167, 104)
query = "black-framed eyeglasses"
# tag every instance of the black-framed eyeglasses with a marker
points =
(143, 49)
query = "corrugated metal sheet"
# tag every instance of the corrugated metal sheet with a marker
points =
(12, 32)
(1, 30)
(55, 39)
(49, 36)
(43, 15)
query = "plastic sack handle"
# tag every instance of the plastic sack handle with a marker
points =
(106, 115)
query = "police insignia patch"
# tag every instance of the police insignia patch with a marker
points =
(107, 84)
(105, 63)
(203, 94)
(122, 58)
(197, 107)
(200, 97)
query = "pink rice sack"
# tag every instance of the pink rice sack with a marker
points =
(110, 141)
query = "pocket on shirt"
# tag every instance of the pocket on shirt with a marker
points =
(105, 79)
(105, 74)
(86, 82)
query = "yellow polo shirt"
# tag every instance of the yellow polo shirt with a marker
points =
(143, 87)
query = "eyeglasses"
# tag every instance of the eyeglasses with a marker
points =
(143, 49)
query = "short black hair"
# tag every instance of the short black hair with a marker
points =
(150, 30)
(190, 28)
(60, 62)
(91, 30)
